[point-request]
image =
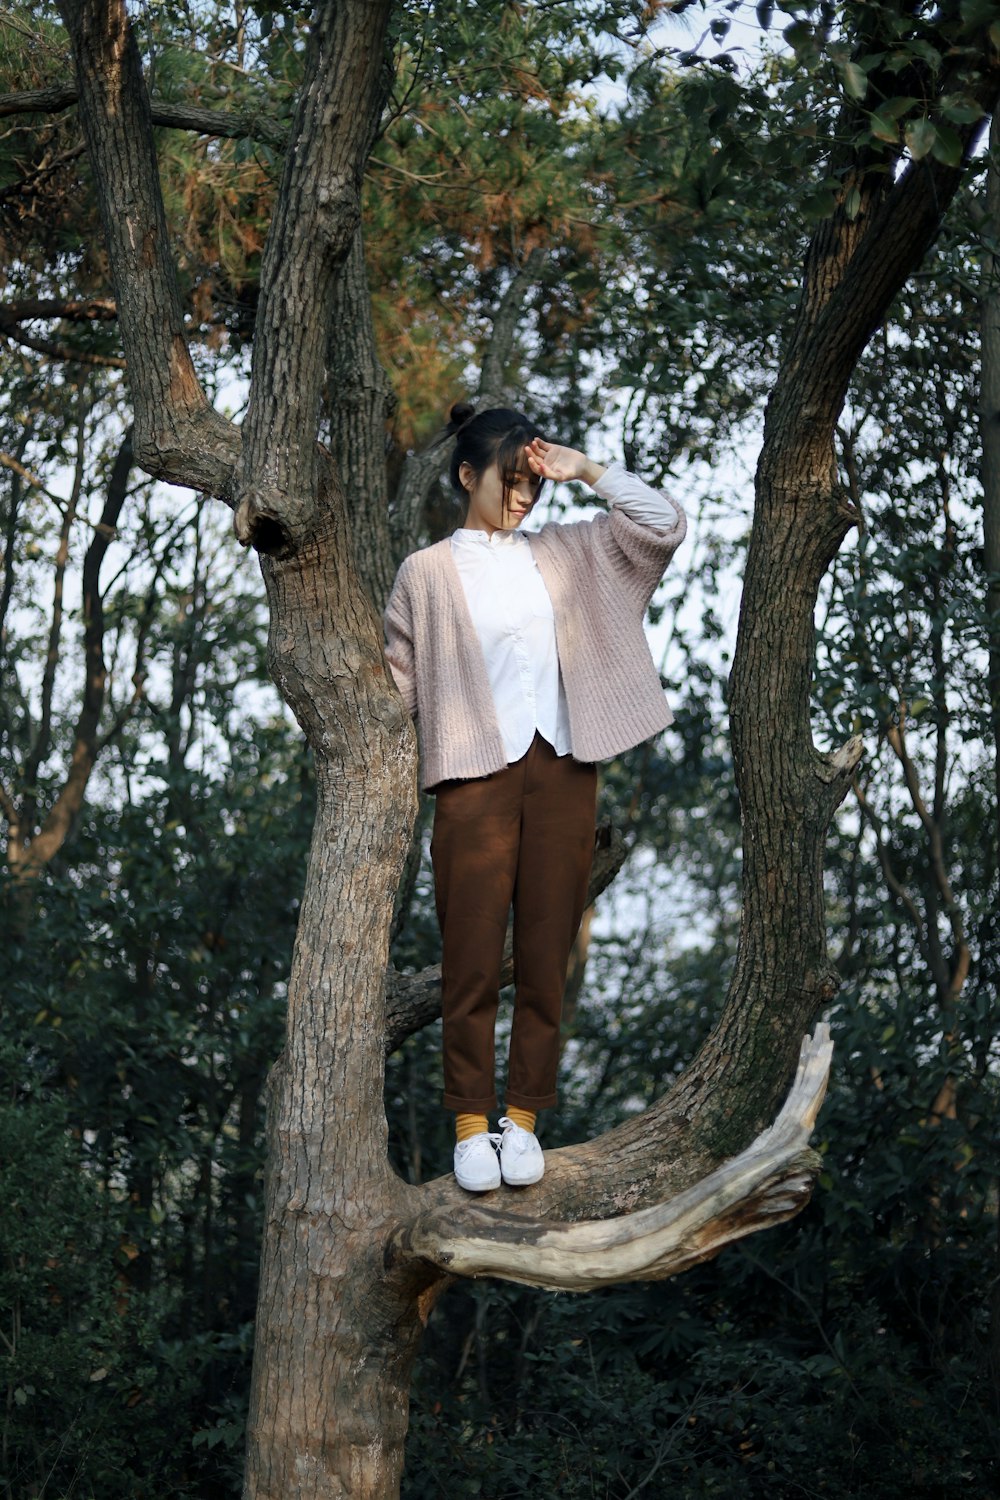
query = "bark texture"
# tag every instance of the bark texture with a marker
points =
(359, 402)
(334, 1340)
(228, 123)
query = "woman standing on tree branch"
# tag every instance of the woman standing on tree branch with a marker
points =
(522, 657)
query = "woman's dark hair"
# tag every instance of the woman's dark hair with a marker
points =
(494, 436)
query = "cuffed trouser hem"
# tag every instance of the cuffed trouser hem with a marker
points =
(529, 1101)
(470, 1106)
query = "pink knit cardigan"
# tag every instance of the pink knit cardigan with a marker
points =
(600, 575)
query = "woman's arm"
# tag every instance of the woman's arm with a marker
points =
(398, 622)
(613, 483)
(618, 486)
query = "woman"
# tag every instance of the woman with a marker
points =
(523, 660)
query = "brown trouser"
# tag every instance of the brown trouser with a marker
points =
(523, 835)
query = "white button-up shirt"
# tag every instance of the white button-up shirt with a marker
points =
(513, 617)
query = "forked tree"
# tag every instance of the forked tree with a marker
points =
(354, 1258)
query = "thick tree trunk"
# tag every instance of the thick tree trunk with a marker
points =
(335, 1337)
(359, 401)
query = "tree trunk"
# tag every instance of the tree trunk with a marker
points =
(335, 1339)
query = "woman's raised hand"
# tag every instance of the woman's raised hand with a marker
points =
(554, 462)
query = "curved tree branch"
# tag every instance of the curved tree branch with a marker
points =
(770, 1181)
(854, 271)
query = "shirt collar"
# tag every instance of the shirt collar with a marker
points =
(474, 536)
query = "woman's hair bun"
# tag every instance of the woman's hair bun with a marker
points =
(461, 412)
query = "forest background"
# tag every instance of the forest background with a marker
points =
(607, 210)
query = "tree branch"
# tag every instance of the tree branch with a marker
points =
(31, 180)
(64, 810)
(178, 436)
(103, 309)
(950, 986)
(315, 218)
(64, 352)
(769, 1182)
(828, 343)
(229, 124)
(40, 749)
(892, 880)
(48, 101)
(421, 470)
(508, 315)
(95, 309)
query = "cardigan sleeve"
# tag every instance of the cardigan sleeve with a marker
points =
(651, 507)
(640, 552)
(398, 622)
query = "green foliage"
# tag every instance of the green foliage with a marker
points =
(95, 1400)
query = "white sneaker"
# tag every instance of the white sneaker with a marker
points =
(477, 1166)
(521, 1160)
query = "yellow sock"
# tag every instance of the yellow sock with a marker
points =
(524, 1117)
(466, 1125)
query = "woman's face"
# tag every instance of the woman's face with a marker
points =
(486, 496)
